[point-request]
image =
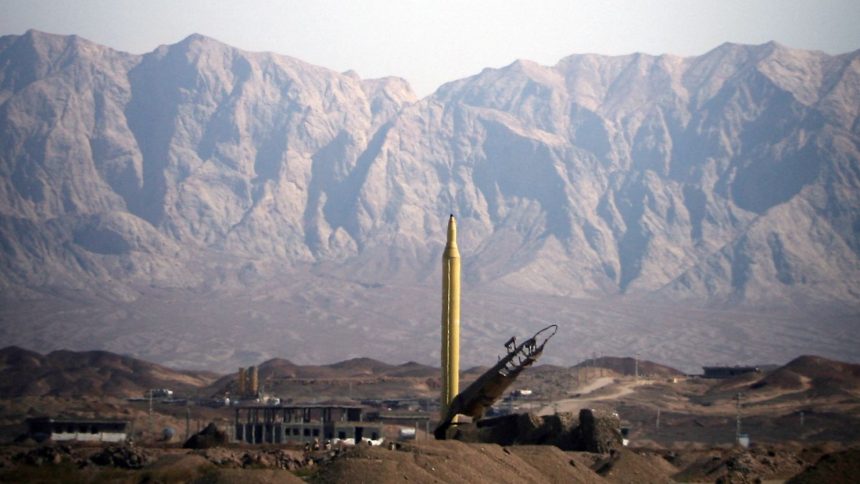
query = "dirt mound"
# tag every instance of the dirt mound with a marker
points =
(742, 465)
(780, 379)
(265, 458)
(819, 367)
(207, 438)
(124, 457)
(452, 461)
(42, 455)
(832, 468)
(818, 375)
(178, 468)
(624, 465)
(825, 376)
(554, 464)
(594, 431)
(522, 429)
(274, 459)
(252, 476)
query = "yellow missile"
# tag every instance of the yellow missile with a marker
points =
(450, 318)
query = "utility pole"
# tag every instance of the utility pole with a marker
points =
(658, 418)
(151, 431)
(738, 424)
(187, 420)
(636, 366)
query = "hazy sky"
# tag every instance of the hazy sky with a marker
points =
(432, 42)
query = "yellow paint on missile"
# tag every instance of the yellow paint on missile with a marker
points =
(450, 318)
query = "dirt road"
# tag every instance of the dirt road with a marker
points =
(612, 389)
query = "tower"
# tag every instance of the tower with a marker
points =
(243, 382)
(254, 386)
(450, 318)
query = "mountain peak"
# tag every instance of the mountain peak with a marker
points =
(45, 45)
(200, 39)
(48, 43)
(39, 35)
(196, 44)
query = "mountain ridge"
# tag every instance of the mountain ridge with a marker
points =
(200, 172)
(79, 373)
(67, 373)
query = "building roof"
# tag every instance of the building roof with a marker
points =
(302, 407)
(77, 420)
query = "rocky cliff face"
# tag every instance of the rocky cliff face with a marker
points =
(129, 169)
(717, 176)
(728, 177)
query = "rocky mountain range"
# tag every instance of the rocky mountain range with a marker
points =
(200, 199)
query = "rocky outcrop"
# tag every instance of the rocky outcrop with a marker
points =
(210, 436)
(125, 457)
(594, 431)
(597, 431)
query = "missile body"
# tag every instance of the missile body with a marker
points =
(450, 318)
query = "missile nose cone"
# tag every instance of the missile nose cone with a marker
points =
(450, 318)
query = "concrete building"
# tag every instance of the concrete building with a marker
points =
(413, 421)
(82, 430)
(253, 380)
(307, 423)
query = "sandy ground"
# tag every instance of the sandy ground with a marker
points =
(600, 390)
(432, 462)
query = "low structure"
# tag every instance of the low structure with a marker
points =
(593, 430)
(415, 420)
(83, 430)
(728, 371)
(480, 395)
(308, 423)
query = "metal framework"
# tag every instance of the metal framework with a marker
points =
(488, 388)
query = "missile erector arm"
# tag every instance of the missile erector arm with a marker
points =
(489, 387)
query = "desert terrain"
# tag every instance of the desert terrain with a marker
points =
(207, 207)
(802, 418)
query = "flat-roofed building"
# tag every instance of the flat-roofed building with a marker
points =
(304, 423)
(82, 430)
